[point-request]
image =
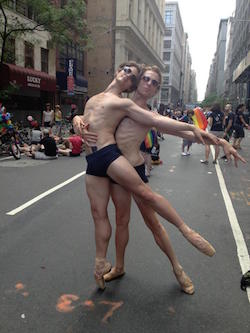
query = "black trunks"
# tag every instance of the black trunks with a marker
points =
(100, 160)
(140, 169)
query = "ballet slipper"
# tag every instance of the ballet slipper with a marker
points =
(197, 241)
(102, 266)
(114, 274)
(184, 281)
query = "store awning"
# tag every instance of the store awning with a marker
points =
(27, 78)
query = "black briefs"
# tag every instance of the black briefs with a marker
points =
(100, 160)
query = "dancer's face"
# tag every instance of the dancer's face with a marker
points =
(149, 84)
(127, 77)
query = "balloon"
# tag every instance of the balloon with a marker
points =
(29, 118)
(7, 116)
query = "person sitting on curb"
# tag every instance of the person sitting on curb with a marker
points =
(50, 148)
(73, 145)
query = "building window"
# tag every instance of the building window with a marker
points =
(167, 44)
(79, 62)
(131, 6)
(167, 69)
(29, 55)
(10, 4)
(168, 32)
(21, 7)
(168, 17)
(72, 51)
(166, 56)
(164, 93)
(166, 80)
(44, 60)
(9, 54)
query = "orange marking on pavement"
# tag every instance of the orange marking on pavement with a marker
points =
(171, 310)
(89, 304)
(114, 306)
(64, 303)
(25, 294)
(246, 198)
(19, 286)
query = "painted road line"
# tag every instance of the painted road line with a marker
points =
(42, 195)
(242, 251)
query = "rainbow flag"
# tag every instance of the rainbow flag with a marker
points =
(149, 140)
(199, 119)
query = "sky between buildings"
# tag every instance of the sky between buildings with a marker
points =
(201, 20)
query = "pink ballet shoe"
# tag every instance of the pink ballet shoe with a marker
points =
(184, 281)
(198, 241)
(102, 266)
(114, 274)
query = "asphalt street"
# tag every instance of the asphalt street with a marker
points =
(47, 251)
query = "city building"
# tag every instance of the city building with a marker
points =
(232, 80)
(216, 80)
(42, 73)
(30, 64)
(122, 30)
(240, 61)
(176, 56)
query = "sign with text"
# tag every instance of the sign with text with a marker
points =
(71, 74)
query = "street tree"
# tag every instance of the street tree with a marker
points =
(64, 20)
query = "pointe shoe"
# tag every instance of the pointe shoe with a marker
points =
(184, 281)
(102, 267)
(113, 274)
(198, 241)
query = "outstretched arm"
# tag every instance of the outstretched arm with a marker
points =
(209, 139)
(163, 124)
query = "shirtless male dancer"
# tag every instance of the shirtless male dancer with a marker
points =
(103, 113)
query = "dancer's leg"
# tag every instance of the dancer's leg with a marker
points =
(122, 201)
(162, 240)
(98, 190)
(124, 174)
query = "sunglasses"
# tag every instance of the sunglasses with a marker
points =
(128, 71)
(148, 79)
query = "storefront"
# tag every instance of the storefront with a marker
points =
(34, 90)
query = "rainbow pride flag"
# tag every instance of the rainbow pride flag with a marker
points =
(199, 119)
(149, 140)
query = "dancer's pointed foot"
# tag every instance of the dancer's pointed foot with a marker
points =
(114, 274)
(198, 241)
(184, 281)
(102, 266)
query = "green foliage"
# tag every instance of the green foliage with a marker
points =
(211, 99)
(6, 93)
(65, 23)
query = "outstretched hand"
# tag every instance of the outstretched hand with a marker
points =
(231, 152)
(210, 138)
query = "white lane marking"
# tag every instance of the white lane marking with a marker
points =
(242, 251)
(6, 158)
(44, 194)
